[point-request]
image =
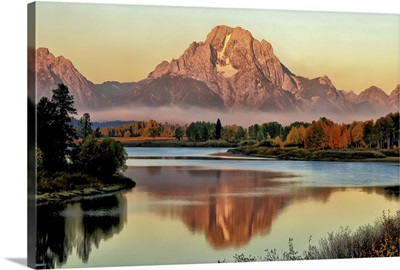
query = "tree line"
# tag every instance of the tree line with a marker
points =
(151, 128)
(320, 134)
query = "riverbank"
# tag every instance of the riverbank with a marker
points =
(75, 195)
(170, 142)
(57, 192)
(318, 155)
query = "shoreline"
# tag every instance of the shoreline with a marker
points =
(310, 155)
(77, 195)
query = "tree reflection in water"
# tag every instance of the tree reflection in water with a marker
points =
(63, 227)
(230, 206)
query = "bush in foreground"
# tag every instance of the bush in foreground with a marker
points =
(378, 240)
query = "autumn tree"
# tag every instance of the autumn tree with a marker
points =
(278, 142)
(232, 133)
(293, 136)
(335, 139)
(357, 134)
(152, 129)
(301, 133)
(344, 136)
(167, 130)
(317, 135)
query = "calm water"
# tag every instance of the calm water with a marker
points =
(190, 206)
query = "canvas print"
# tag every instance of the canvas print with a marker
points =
(180, 135)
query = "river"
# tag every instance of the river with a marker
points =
(191, 205)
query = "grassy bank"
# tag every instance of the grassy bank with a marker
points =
(75, 186)
(170, 142)
(318, 155)
(380, 239)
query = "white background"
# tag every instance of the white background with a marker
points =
(13, 221)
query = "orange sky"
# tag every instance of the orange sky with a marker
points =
(125, 42)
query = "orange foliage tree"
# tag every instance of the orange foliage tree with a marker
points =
(334, 137)
(317, 135)
(278, 141)
(357, 134)
(338, 136)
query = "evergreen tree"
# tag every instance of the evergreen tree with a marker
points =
(178, 133)
(218, 128)
(85, 125)
(54, 131)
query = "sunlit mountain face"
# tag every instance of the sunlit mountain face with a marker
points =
(230, 71)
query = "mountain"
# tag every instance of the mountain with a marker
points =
(241, 70)
(320, 95)
(51, 71)
(371, 99)
(171, 91)
(375, 96)
(246, 74)
(229, 70)
(350, 96)
(394, 97)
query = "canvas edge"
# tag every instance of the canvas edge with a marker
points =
(31, 129)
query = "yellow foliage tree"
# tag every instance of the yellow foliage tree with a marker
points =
(278, 141)
(357, 134)
(152, 129)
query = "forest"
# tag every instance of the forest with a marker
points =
(323, 133)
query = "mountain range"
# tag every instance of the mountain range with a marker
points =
(230, 70)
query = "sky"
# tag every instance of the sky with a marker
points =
(125, 42)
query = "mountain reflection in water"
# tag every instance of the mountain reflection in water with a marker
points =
(63, 228)
(228, 206)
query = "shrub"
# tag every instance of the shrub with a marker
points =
(390, 152)
(247, 142)
(65, 181)
(101, 158)
(214, 143)
(379, 240)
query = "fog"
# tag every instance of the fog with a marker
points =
(177, 115)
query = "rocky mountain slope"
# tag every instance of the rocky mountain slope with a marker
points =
(51, 70)
(230, 70)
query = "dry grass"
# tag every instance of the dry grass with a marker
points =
(143, 139)
(378, 240)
